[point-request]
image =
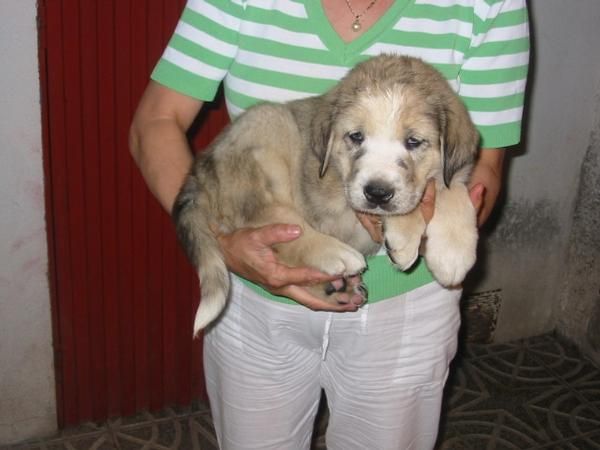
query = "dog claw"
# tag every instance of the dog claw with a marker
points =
(403, 253)
(336, 286)
(363, 292)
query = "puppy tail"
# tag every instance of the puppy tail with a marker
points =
(214, 287)
(190, 214)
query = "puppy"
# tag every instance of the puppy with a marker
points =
(370, 144)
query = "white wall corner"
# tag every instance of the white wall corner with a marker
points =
(27, 387)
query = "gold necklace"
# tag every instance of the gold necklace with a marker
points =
(356, 25)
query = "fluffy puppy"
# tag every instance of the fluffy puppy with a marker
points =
(370, 144)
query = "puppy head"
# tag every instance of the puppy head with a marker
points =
(391, 125)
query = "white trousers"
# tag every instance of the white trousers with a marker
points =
(383, 369)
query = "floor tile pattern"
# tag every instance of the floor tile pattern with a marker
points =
(537, 393)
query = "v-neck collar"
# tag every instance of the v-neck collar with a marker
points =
(336, 44)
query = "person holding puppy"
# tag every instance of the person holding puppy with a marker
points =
(383, 366)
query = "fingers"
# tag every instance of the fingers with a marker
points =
(486, 182)
(283, 275)
(277, 233)
(248, 253)
(302, 296)
(476, 193)
(372, 224)
(428, 201)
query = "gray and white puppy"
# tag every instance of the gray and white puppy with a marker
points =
(370, 144)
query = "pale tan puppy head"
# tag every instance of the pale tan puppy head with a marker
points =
(394, 124)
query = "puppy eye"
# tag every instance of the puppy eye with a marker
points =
(412, 143)
(357, 137)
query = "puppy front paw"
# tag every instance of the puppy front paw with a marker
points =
(403, 238)
(450, 255)
(403, 252)
(347, 291)
(350, 292)
(340, 259)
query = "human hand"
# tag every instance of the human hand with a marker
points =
(486, 182)
(249, 253)
(428, 201)
(374, 225)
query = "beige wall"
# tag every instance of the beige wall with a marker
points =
(527, 246)
(27, 392)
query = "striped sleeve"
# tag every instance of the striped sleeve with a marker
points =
(493, 76)
(201, 49)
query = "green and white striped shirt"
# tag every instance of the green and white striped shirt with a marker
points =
(280, 50)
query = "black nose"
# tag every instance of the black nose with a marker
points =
(378, 193)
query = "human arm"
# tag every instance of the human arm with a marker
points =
(492, 84)
(158, 142)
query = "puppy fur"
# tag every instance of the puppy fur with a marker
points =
(370, 144)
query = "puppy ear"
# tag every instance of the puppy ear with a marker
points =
(327, 155)
(459, 140)
(322, 138)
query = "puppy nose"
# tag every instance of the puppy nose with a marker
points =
(378, 193)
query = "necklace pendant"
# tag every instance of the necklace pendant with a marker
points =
(356, 26)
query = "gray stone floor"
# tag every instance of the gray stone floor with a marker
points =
(538, 393)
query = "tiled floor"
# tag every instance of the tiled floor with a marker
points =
(538, 393)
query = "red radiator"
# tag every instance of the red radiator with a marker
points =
(123, 294)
